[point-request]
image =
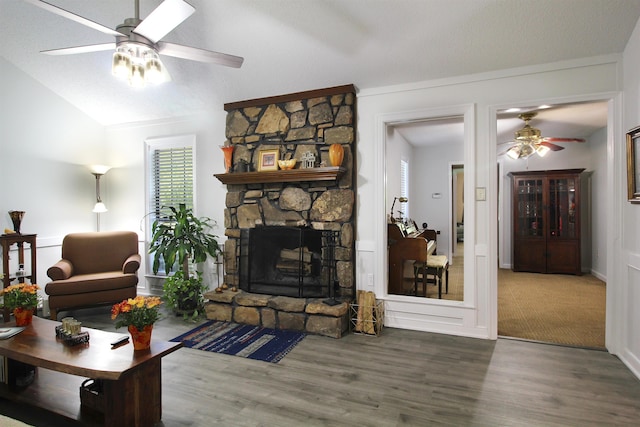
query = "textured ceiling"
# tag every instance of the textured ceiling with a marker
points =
(297, 45)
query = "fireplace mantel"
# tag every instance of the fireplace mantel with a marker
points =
(293, 175)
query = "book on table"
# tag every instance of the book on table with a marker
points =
(8, 332)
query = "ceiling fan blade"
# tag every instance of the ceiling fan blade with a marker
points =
(72, 16)
(551, 139)
(196, 54)
(80, 49)
(552, 147)
(164, 18)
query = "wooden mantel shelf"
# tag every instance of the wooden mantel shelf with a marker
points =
(293, 175)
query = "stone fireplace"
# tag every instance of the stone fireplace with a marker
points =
(305, 285)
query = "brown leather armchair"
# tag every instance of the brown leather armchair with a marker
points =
(96, 269)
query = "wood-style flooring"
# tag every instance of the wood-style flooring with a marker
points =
(401, 378)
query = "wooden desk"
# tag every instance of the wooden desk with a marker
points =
(132, 380)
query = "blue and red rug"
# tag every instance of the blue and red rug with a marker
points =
(252, 342)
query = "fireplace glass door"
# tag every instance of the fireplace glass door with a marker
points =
(288, 261)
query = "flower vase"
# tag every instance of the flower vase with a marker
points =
(141, 338)
(336, 154)
(16, 219)
(228, 157)
(23, 316)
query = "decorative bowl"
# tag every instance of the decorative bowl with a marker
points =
(287, 164)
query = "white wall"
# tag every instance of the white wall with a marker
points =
(45, 147)
(626, 228)
(431, 176)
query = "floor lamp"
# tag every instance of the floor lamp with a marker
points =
(99, 207)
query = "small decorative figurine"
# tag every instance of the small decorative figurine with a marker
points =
(308, 160)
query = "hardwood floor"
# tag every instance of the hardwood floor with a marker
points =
(401, 378)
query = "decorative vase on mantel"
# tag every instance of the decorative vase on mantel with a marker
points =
(23, 315)
(336, 154)
(227, 150)
(141, 339)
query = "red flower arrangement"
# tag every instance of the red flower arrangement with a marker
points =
(139, 312)
(22, 295)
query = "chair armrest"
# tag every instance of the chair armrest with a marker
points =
(61, 270)
(131, 264)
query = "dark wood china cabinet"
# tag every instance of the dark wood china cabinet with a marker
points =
(546, 221)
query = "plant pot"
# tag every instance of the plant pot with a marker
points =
(23, 316)
(141, 339)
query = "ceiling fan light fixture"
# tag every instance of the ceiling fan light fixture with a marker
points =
(121, 64)
(153, 70)
(136, 78)
(526, 150)
(514, 152)
(542, 150)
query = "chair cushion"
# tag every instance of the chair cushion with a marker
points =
(86, 283)
(437, 261)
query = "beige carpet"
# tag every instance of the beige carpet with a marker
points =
(561, 309)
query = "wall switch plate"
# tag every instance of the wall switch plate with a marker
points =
(481, 193)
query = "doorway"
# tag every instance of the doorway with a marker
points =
(527, 306)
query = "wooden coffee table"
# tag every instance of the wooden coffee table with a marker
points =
(131, 380)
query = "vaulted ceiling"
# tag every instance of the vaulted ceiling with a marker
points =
(297, 45)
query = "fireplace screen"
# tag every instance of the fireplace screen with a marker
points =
(288, 261)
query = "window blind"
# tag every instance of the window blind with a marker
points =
(171, 181)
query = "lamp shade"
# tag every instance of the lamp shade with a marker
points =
(99, 169)
(542, 150)
(99, 207)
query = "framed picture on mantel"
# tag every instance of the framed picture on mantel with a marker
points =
(268, 160)
(633, 165)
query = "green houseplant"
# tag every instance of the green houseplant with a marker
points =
(183, 240)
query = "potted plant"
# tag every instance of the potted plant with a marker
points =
(22, 299)
(138, 315)
(184, 295)
(183, 240)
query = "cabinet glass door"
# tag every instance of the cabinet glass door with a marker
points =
(562, 208)
(529, 207)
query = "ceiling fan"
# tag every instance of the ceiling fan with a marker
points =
(528, 140)
(138, 46)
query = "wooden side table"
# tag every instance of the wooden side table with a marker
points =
(8, 240)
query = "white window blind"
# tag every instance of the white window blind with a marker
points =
(404, 188)
(171, 180)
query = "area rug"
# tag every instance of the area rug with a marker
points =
(252, 342)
